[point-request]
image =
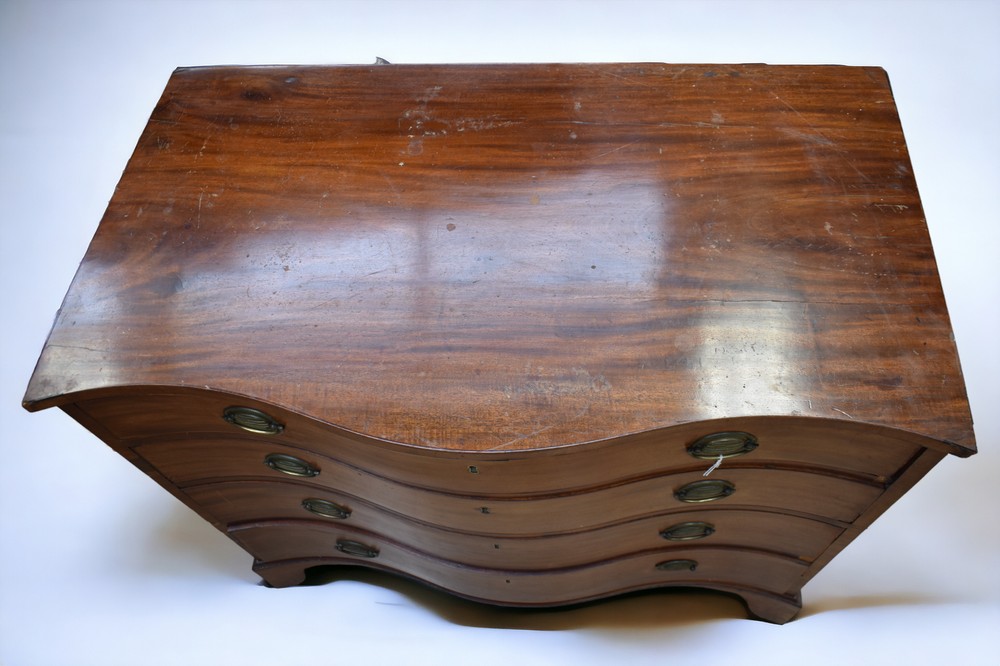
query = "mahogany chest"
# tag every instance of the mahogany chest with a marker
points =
(531, 334)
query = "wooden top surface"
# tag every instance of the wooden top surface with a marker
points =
(520, 256)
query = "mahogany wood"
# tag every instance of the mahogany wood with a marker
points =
(238, 503)
(492, 307)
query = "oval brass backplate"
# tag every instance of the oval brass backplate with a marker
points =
(349, 547)
(290, 465)
(252, 420)
(725, 444)
(326, 508)
(688, 531)
(704, 491)
(677, 565)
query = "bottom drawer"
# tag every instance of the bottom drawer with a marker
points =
(301, 546)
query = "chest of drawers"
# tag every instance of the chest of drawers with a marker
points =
(531, 334)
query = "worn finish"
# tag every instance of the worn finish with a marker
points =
(501, 301)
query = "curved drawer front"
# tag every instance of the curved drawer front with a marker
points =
(249, 502)
(873, 453)
(189, 463)
(713, 567)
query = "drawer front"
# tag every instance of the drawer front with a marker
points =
(874, 454)
(712, 567)
(189, 463)
(240, 503)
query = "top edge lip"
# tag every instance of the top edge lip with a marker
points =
(941, 444)
(553, 63)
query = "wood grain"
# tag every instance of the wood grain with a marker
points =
(520, 257)
(241, 504)
(716, 567)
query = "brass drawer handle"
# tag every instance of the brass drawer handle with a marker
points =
(677, 565)
(326, 508)
(290, 465)
(252, 420)
(725, 444)
(704, 491)
(355, 548)
(688, 531)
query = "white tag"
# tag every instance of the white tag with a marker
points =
(714, 466)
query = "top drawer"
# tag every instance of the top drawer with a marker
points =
(870, 454)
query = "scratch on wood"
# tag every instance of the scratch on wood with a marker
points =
(615, 150)
(603, 71)
(521, 438)
(201, 151)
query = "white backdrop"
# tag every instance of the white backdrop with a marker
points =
(98, 565)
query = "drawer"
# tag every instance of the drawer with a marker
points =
(236, 503)
(550, 585)
(870, 452)
(192, 462)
